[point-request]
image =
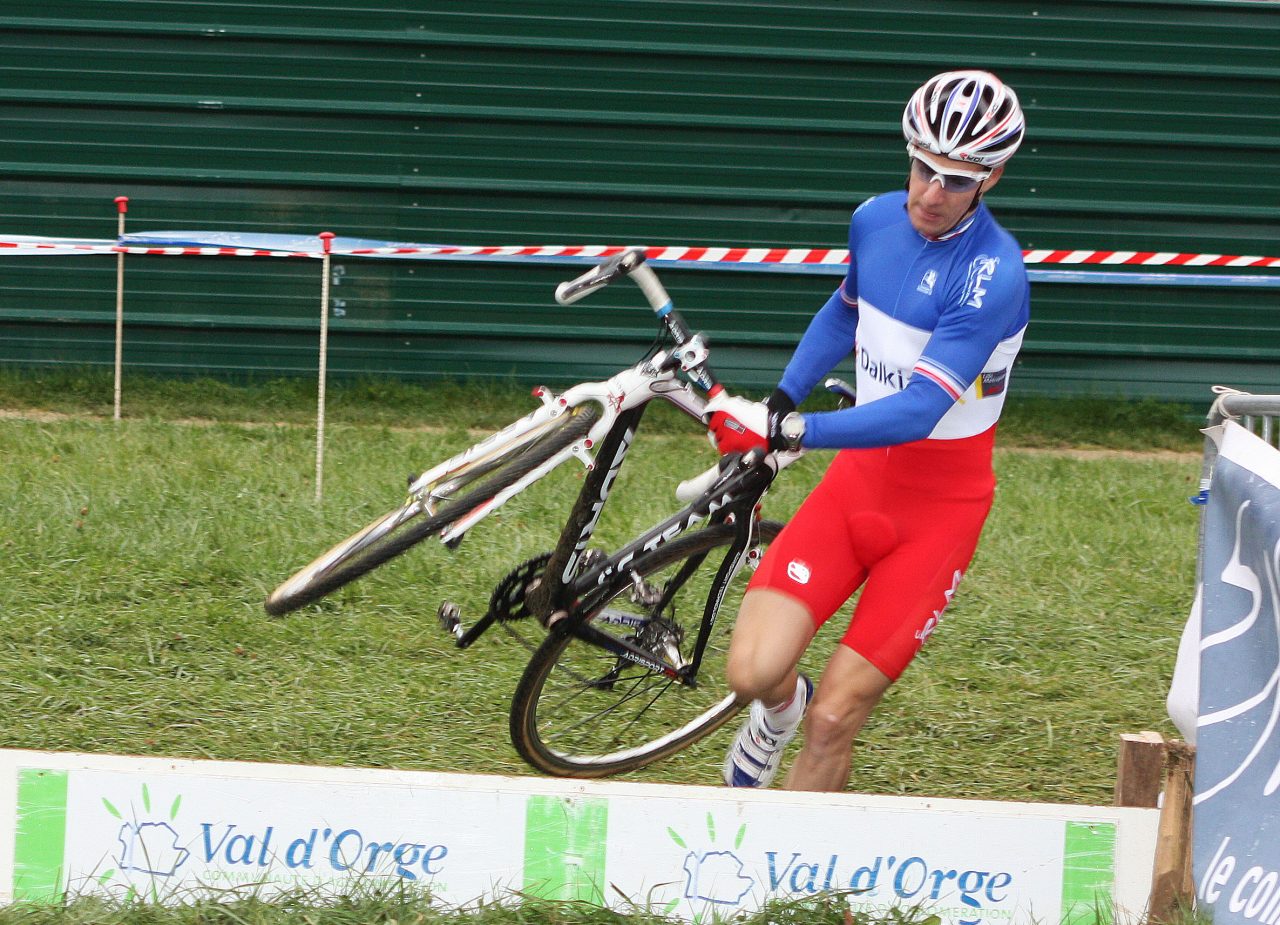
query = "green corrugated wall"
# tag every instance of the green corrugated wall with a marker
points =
(1153, 126)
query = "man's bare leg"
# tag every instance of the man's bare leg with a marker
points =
(849, 690)
(771, 634)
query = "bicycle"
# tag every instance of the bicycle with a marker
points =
(618, 680)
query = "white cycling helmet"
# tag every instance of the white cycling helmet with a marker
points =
(965, 115)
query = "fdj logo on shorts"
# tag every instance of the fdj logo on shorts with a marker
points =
(932, 623)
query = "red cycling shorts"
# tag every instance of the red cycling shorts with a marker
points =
(900, 522)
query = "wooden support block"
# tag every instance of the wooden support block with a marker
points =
(1140, 769)
(1172, 886)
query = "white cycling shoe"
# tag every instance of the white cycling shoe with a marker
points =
(753, 759)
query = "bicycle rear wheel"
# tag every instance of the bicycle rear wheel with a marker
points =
(395, 532)
(581, 711)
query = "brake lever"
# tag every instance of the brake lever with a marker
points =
(842, 390)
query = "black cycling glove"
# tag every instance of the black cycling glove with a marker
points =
(779, 405)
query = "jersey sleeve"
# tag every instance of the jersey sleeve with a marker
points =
(988, 305)
(899, 418)
(828, 340)
(831, 334)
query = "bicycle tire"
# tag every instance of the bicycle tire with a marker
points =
(399, 530)
(580, 711)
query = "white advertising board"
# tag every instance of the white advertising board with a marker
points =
(168, 830)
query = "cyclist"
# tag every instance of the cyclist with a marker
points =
(933, 307)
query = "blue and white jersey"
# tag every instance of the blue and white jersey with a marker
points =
(935, 327)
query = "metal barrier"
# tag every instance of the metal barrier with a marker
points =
(1173, 882)
(1259, 414)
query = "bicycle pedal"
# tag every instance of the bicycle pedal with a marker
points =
(450, 617)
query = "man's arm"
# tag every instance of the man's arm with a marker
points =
(828, 340)
(903, 417)
(738, 425)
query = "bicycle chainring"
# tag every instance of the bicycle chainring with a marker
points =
(509, 598)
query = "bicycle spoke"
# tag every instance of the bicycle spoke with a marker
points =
(638, 689)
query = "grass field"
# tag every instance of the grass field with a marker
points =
(135, 556)
(413, 908)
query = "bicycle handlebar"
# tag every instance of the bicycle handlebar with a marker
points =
(599, 276)
(631, 262)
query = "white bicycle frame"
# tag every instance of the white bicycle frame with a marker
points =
(641, 383)
(623, 394)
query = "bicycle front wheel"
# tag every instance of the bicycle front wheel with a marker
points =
(582, 711)
(397, 531)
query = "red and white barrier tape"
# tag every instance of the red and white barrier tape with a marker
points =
(738, 255)
(828, 257)
(1146, 259)
(11, 248)
(697, 255)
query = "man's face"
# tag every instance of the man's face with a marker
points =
(934, 209)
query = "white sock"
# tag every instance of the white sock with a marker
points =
(786, 715)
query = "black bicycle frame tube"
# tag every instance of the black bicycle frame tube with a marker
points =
(728, 568)
(731, 495)
(546, 599)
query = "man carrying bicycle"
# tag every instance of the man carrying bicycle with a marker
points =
(934, 307)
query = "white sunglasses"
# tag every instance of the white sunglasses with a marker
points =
(953, 181)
